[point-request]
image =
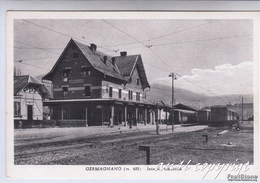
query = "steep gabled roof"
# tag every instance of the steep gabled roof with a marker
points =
(20, 82)
(122, 69)
(126, 65)
(96, 60)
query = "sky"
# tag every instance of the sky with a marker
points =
(209, 56)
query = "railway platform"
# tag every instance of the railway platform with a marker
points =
(46, 135)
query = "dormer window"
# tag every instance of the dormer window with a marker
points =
(75, 55)
(85, 71)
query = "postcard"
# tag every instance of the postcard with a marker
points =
(132, 95)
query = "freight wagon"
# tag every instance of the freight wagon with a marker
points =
(222, 116)
(204, 116)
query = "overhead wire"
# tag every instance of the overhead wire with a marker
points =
(36, 47)
(67, 35)
(37, 58)
(141, 42)
(34, 66)
(165, 34)
(202, 40)
(154, 54)
(136, 40)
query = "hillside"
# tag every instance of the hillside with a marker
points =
(164, 93)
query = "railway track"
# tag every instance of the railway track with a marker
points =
(163, 144)
(97, 147)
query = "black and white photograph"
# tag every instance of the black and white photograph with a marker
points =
(128, 93)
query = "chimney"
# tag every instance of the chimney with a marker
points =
(123, 53)
(105, 60)
(93, 47)
(113, 60)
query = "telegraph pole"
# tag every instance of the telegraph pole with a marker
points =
(242, 110)
(172, 112)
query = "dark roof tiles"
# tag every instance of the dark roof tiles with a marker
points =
(95, 58)
(20, 82)
(121, 69)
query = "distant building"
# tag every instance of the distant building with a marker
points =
(29, 94)
(98, 89)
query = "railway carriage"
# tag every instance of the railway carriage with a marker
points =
(204, 116)
(185, 117)
(222, 116)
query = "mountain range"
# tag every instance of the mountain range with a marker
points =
(160, 92)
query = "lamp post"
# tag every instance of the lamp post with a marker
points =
(172, 112)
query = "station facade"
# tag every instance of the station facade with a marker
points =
(94, 88)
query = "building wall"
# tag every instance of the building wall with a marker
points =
(76, 81)
(26, 99)
(132, 86)
(124, 89)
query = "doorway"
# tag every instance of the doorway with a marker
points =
(29, 112)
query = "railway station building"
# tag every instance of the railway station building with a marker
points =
(91, 88)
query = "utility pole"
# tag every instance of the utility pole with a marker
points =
(157, 125)
(172, 112)
(242, 110)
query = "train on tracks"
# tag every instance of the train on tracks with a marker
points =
(215, 116)
(223, 116)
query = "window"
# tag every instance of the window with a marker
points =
(137, 81)
(17, 108)
(130, 95)
(65, 91)
(85, 71)
(110, 91)
(66, 72)
(137, 96)
(119, 93)
(87, 91)
(144, 95)
(75, 55)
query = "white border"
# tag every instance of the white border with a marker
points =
(75, 172)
